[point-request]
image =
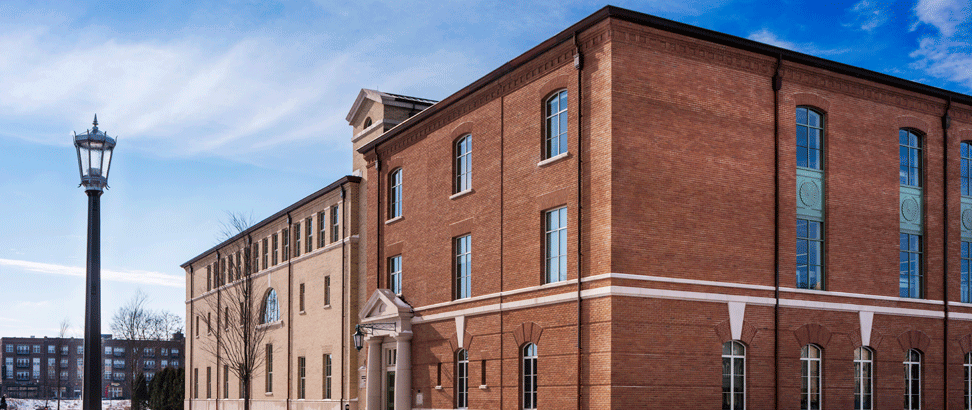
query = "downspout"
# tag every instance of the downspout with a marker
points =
(192, 312)
(378, 222)
(579, 66)
(219, 305)
(946, 123)
(502, 255)
(777, 85)
(290, 307)
(345, 359)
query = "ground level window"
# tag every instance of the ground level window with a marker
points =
(529, 376)
(912, 379)
(733, 376)
(811, 360)
(863, 378)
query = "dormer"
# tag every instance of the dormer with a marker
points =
(375, 112)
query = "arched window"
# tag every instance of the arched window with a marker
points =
(811, 360)
(367, 122)
(965, 225)
(462, 379)
(967, 381)
(555, 128)
(966, 174)
(863, 378)
(912, 372)
(271, 311)
(810, 133)
(909, 156)
(733, 375)
(463, 164)
(395, 194)
(529, 376)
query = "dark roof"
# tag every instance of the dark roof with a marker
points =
(677, 28)
(405, 98)
(334, 185)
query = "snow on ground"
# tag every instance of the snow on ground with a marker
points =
(34, 404)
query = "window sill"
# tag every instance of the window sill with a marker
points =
(438, 387)
(393, 220)
(327, 306)
(461, 194)
(271, 325)
(551, 160)
(302, 313)
(268, 394)
(483, 387)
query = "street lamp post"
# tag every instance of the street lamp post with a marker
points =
(94, 161)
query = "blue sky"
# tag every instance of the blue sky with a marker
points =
(239, 106)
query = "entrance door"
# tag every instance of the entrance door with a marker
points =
(391, 358)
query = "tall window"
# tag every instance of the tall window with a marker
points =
(912, 372)
(966, 172)
(910, 280)
(269, 368)
(966, 272)
(555, 138)
(266, 251)
(321, 229)
(286, 243)
(809, 254)
(209, 382)
(327, 291)
(301, 378)
(463, 266)
(462, 379)
(529, 376)
(967, 381)
(297, 239)
(327, 376)
(309, 232)
(810, 130)
(395, 274)
(195, 382)
(271, 312)
(863, 378)
(733, 375)
(300, 298)
(909, 155)
(275, 246)
(463, 166)
(811, 364)
(555, 230)
(335, 223)
(395, 194)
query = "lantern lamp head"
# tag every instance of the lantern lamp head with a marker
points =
(358, 337)
(94, 157)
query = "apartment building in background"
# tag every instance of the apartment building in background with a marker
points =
(635, 213)
(52, 367)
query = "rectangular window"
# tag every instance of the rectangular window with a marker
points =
(209, 277)
(50, 349)
(195, 382)
(463, 266)
(555, 138)
(209, 381)
(863, 380)
(967, 272)
(309, 232)
(301, 378)
(226, 320)
(266, 251)
(301, 297)
(327, 377)
(327, 291)
(321, 229)
(809, 254)
(255, 255)
(555, 233)
(395, 274)
(269, 368)
(286, 244)
(395, 194)
(335, 223)
(297, 239)
(910, 280)
(275, 248)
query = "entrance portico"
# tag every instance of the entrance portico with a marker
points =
(389, 367)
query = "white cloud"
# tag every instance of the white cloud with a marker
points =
(134, 276)
(869, 16)
(945, 15)
(768, 37)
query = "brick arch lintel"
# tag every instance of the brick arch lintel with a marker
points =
(915, 123)
(724, 332)
(914, 339)
(964, 134)
(527, 332)
(965, 342)
(467, 340)
(462, 129)
(559, 82)
(812, 333)
(811, 100)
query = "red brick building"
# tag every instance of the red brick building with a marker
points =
(730, 209)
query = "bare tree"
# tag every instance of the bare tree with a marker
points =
(61, 336)
(237, 337)
(143, 329)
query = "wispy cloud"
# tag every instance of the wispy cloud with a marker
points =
(134, 276)
(945, 15)
(946, 53)
(768, 37)
(868, 15)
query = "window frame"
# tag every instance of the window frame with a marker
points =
(863, 374)
(967, 381)
(285, 236)
(327, 377)
(562, 120)
(309, 233)
(529, 376)
(271, 307)
(297, 234)
(462, 379)
(395, 276)
(462, 266)
(462, 164)
(807, 240)
(321, 229)
(810, 384)
(395, 180)
(335, 223)
(268, 369)
(729, 354)
(915, 150)
(301, 378)
(910, 382)
(807, 147)
(549, 233)
(915, 261)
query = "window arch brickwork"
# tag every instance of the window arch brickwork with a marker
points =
(814, 100)
(724, 333)
(812, 333)
(527, 332)
(914, 339)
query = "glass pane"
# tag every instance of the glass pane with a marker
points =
(813, 138)
(802, 228)
(802, 137)
(902, 137)
(813, 160)
(563, 100)
(815, 119)
(801, 115)
(726, 350)
(563, 123)
(738, 349)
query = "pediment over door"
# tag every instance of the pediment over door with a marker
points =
(383, 305)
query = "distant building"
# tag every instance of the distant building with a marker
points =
(52, 367)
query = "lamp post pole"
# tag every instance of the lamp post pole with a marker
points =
(94, 149)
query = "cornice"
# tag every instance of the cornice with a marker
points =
(860, 89)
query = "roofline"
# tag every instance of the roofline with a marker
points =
(323, 191)
(677, 28)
